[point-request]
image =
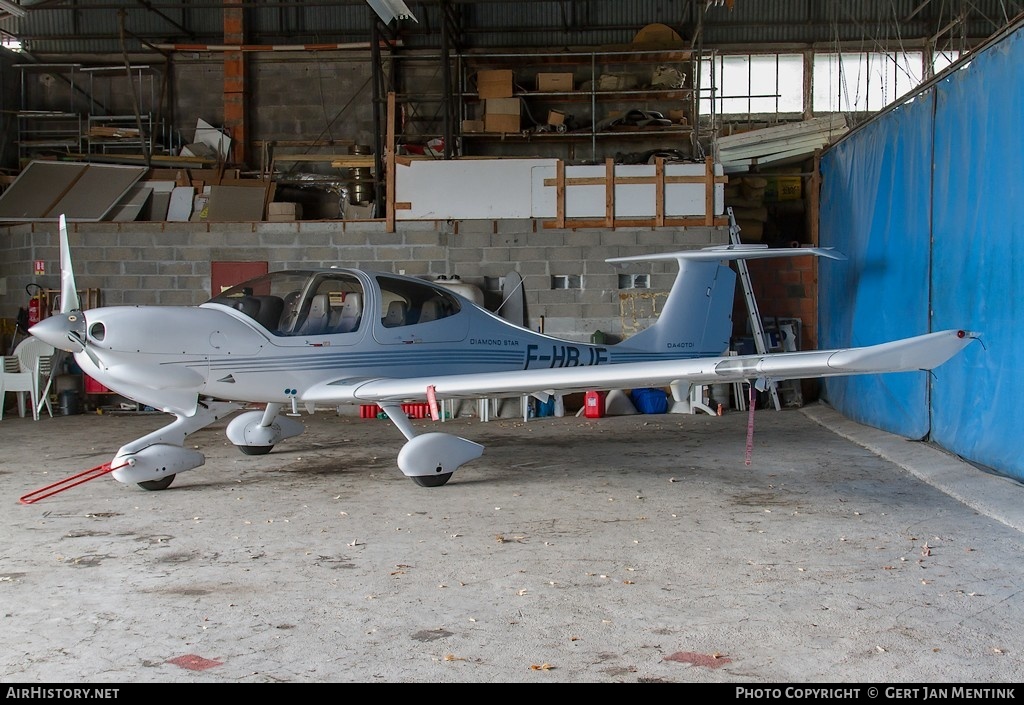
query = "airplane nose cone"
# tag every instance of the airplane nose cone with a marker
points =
(55, 331)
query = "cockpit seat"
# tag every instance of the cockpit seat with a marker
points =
(432, 310)
(318, 316)
(249, 305)
(396, 314)
(348, 315)
(269, 315)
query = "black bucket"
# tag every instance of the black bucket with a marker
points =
(70, 402)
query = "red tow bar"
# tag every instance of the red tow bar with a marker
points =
(68, 483)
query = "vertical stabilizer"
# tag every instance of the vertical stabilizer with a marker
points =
(696, 320)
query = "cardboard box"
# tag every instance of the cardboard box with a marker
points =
(783, 188)
(294, 210)
(360, 212)
(678, 116)
(494, 83)
(556, 117)
(503, 106)
(502, 115)
(501, 123)
(554, 82)
(282, 212)
(234, 202)
(472, 126)
(200, 208)
(616, 82)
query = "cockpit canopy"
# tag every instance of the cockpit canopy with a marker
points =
(310, 302)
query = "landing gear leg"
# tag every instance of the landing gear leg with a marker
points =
(431, 458)
(257, 432)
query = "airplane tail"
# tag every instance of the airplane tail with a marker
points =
(696, 320)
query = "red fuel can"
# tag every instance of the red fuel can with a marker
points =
(94, 387)
(593, 405)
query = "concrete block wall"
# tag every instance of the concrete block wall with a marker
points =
(168, 263)
(482, 250)
(322, 96)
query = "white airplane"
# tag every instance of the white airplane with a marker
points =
(347, 336)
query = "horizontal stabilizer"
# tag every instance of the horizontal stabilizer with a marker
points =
(732, 252)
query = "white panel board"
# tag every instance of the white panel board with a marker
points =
(212, 137)
(467, 189)
(180, 208)
(80, 191)
(131, 205)
(159, 201)
(631, 200)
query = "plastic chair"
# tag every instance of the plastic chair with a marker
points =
(14, 379)
(36, 358)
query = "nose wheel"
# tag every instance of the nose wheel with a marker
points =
(255, 450)
(155, 485)
(431, 480)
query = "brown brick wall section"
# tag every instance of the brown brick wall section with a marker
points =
(785, 288)
(234, 81)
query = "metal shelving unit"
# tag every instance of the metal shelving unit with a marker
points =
(120, 131)
(52, 130)
(41, 131)
(597, 102)
(83, 126)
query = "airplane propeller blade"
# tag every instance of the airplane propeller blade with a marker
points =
(66, 330)
(68, 291)
(76, 336)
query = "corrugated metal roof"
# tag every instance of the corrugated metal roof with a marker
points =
(94, 26)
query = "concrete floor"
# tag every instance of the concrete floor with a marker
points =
(625, 549)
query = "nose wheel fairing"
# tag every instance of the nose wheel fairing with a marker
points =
(155, 463)
(161, 454)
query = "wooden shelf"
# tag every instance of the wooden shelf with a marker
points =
(585, 95)
(527, 135)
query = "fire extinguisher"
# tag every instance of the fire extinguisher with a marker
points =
(35, 304)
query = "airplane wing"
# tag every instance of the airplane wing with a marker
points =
(923, 352)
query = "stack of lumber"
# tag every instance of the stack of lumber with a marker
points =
(778, 145)
(113, 132)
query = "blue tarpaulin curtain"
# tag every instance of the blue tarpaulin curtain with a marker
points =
(928, 202)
